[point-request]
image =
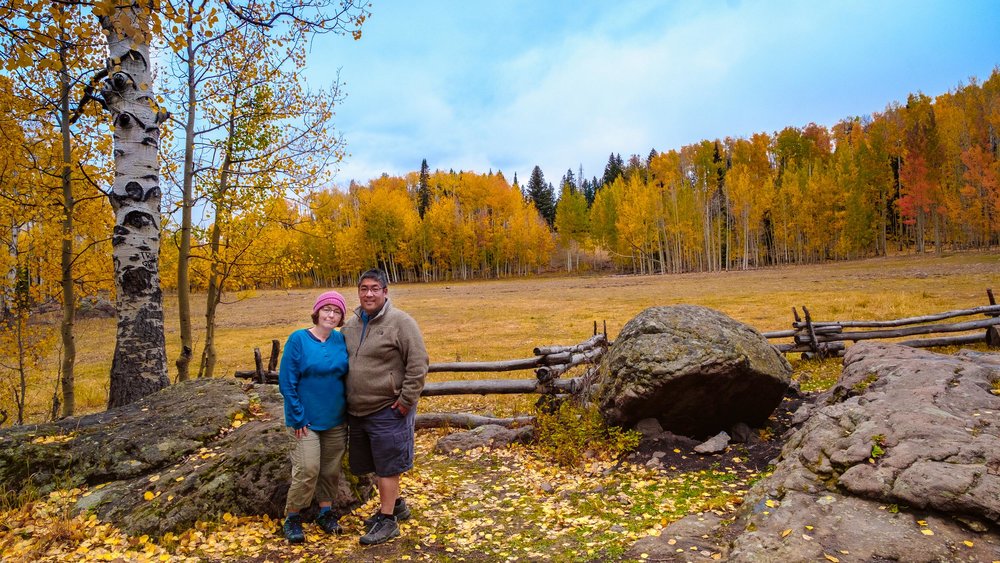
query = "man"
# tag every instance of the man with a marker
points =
(388, 364)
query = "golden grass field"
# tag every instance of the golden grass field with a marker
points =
(505, 319)
(515, 503)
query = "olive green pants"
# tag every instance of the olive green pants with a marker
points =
(316, 462)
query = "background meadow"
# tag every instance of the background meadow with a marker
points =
(504, 319)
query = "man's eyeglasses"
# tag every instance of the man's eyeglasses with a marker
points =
(366, 289)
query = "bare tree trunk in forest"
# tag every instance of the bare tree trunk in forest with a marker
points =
(66, 247)
(215, 278)
(919, 231)
(938, 251)
(139, 365)
(184, 252)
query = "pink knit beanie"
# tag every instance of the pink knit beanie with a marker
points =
(331, 298)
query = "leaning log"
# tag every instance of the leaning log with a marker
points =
(944, 341)
(593, 342)
(466, 420)
(496, 387)
(269, 376)
(831, 348)
(505, 365)
(984, 310)
(545, 373)
(909, 331)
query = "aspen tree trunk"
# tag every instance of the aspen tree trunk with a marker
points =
(66, 249)
(184, 252)
(215, 278)
(139, 365)
(938, 251)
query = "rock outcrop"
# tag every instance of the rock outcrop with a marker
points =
(191, 451)
(899, 461)
(695, 370)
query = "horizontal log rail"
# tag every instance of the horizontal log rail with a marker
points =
(549, 363)
(826, 338)
(908, 331)
(468, 421)
(984, 310)
(497, 387)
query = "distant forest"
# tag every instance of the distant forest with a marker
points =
(916, 177)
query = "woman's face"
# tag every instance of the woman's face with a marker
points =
(329, 317)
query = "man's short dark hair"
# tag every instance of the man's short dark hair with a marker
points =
(375, 274)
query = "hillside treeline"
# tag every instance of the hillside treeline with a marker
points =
(913, 177)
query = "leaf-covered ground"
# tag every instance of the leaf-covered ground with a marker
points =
(483, 505)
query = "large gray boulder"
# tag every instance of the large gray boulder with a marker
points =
(194, 450)
(899, 461)
(694, 369)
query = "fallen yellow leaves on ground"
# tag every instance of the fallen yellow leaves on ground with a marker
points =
(486, 503)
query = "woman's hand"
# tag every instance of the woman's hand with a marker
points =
(301, 432)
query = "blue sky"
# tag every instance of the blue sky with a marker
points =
(507, 85)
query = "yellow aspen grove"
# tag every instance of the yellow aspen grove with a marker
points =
(61, 44)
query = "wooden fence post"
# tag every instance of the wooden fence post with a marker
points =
(992, 332)
(272, 362)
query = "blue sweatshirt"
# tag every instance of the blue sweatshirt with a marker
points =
(311, 379)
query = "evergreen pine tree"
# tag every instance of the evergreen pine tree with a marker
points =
(614, 169)
(423, 189)
(542, 195)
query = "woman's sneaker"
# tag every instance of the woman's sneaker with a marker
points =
(384, 529)
(293, 529)
(328, 522)
(399, 510)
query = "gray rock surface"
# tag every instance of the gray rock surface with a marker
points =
(692, 368)
(200, 448)
(899, 461)
(489, 435)
(696, 537)
(715, 444)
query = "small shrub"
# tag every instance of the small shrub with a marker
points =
(569, 432)
(878, 441)
(865, 383)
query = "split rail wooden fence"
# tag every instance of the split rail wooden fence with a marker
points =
(814, 339)
(826, 338)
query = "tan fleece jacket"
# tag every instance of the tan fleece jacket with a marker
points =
(389, 362)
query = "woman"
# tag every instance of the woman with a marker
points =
(311, 380)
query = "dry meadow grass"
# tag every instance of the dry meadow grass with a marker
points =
(505, 319)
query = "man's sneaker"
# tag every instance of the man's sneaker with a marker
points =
(399, 510)
(328, 522)
(293, 529)
(384, 529)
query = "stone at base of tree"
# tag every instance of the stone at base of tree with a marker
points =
(713, 445)
(489, 436)
(194, 450)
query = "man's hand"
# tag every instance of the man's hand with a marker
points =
(403, 410)
(301, 432)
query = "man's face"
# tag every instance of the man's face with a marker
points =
(372, 295)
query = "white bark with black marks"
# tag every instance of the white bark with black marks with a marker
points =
(139, 366)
